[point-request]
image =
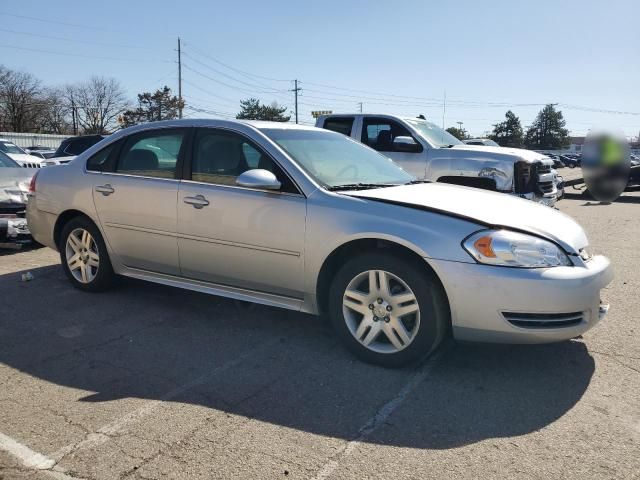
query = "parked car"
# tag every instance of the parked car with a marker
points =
(481, 141)
(14, 187)
(569, 161)
(19, 155)
(557, 162)
(72, 146)
(428, 152)
(40, 151)
(308, 219)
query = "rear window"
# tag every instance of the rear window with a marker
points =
(341, 125)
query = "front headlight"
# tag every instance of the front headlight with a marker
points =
(513, 249)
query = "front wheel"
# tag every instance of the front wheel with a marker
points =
(387, 310)
(84, 256)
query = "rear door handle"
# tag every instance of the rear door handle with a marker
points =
(198, 201)
(105, 189)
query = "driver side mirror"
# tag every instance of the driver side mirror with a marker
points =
(406, 144)
(259, 179)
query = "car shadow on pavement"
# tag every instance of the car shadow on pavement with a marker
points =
(153, 342)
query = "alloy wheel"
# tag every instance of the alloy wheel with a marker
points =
(81, 252)
(381, 311)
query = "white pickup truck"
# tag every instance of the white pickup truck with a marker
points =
(430, 153)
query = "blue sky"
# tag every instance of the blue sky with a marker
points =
(395, 57)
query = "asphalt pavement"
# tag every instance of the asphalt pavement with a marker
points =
(148, 381)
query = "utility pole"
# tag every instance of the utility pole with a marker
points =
(180, 81)
(295, 91)
(360, 105)
(73, 116)
(459, 126)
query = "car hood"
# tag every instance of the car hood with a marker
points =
(489, 209)
(528, 155)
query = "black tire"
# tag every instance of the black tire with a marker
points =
(104, 277)
(431, 298)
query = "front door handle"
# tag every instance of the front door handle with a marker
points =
(198, 201)
(105, 189)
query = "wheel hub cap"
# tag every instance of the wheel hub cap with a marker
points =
(381, 311)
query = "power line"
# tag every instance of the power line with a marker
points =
(65, 39)
(233, 87)
(237, 70)
(51, 52)
(272, 90)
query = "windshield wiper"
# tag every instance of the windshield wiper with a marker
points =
(451, 145)
(360, 186)
(414, 182)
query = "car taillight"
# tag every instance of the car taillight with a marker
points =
(32, 183)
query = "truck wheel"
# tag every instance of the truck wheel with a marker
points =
(386, 310)
(84, 256)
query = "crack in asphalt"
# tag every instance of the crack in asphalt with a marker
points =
(384, 412)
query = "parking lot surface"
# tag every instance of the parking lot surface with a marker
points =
(147, 381)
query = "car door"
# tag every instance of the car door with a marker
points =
(236, 236)
(136, 199)
(379, 133)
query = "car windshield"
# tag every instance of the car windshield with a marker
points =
(8, 147)
(433, 133)
(335, 160)
(7, 162)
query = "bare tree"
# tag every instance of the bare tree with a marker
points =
(54, 114)
(96, 104)
(20, 100)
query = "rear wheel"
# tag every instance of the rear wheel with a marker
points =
(386, 310)
(84, 256)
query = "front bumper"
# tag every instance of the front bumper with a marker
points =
(483, 298)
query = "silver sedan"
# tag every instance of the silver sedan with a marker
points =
(307, 219)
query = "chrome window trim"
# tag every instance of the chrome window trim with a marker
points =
(135, 176)
(238, 187)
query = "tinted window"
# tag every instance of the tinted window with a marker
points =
(220, 156)
(379, 133)
(339, 124)
(151, 154)
(98, 161)
(78, 145)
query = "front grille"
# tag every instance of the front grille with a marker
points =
(545, 187)
(543, 320)
(542, 169)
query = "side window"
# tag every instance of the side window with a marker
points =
(151, 154)
(219, 157)
(379, 133)
(98, 162)
(339, 124)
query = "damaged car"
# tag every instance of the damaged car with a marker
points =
(310, 220)
(14, 189)
(428, 152)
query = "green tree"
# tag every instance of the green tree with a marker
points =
(459, 133)
(508, 133)
(251, 109)
(548, 130)
(160, 105)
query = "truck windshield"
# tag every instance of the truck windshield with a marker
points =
(433, 133)
(335, 160)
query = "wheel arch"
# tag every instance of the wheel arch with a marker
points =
(64, 218)
(359, 246)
